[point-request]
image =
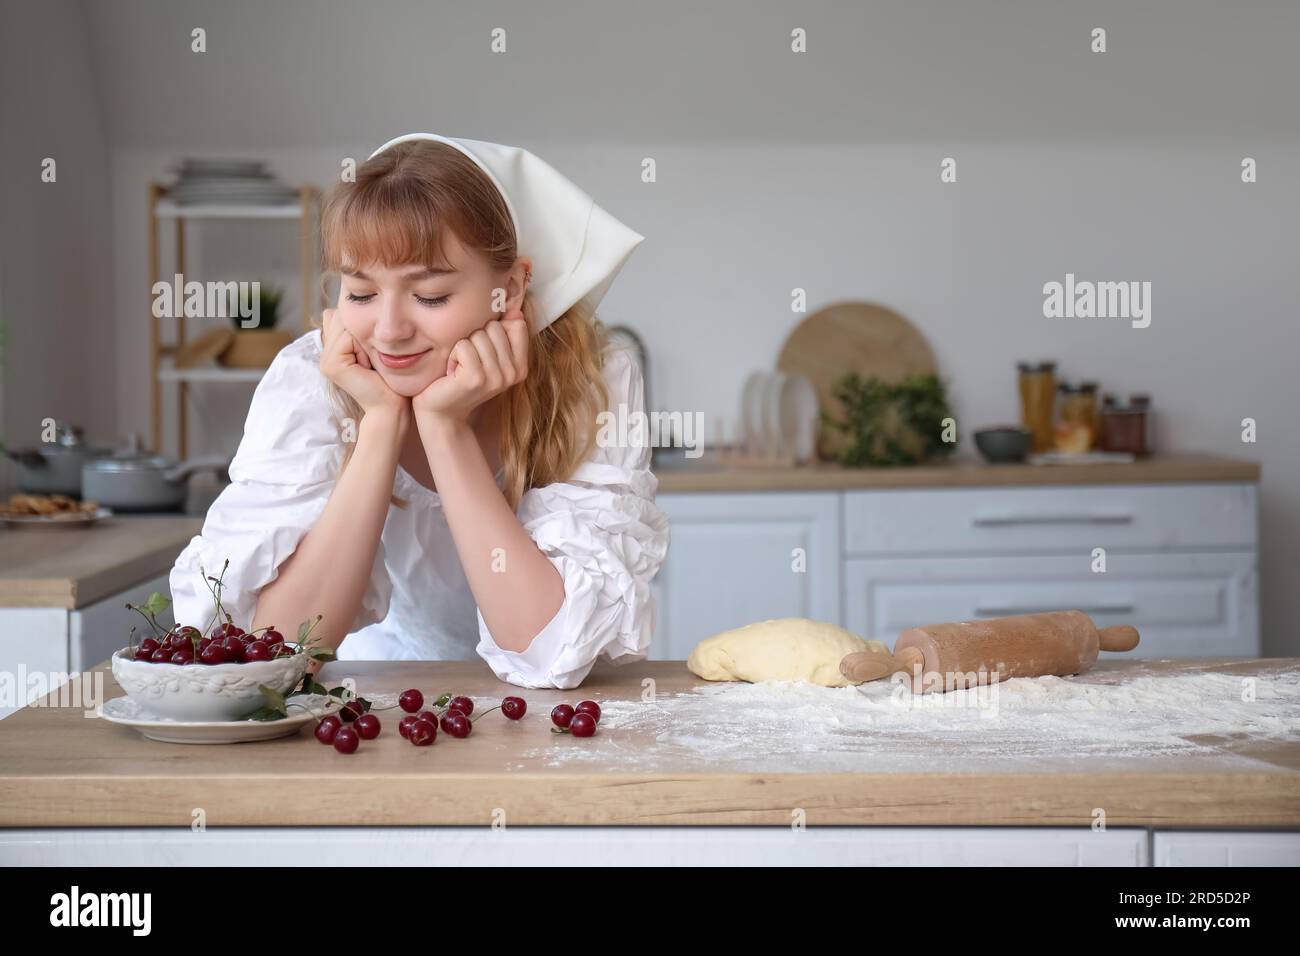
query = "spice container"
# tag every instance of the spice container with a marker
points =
(1038, 403)
(1125, 428)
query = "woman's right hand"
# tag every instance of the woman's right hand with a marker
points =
(346, 364)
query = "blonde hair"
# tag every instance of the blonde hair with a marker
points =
(395, 213)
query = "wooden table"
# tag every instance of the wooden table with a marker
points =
(59, 770)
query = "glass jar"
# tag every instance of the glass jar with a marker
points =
(1038, 403)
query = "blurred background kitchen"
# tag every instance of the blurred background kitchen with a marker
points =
(1132, 496)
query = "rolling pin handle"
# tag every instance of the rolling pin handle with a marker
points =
(1120, 637)
(862, 666)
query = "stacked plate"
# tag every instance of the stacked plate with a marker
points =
(228, 182)
(779, 416)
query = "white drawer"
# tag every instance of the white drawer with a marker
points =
(1184, 605)
(1051, 519)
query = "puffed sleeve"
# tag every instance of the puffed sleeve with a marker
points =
(604, 533)
(280, 480)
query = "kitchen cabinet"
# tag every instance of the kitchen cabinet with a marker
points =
(63, 593)
(55, 642)
(733, 559)
(1180, 560)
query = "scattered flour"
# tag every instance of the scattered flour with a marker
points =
(1101, 718)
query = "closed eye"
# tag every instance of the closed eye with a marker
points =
(440, 300)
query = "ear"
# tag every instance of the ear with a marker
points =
(518, 282)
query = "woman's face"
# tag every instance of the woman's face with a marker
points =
(408, 318)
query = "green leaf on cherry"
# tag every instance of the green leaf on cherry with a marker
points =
(321, 654)
(156, 604)
(266, 713)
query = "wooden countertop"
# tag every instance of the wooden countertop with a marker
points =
(73, 567)
(703, 475)
(58, 769)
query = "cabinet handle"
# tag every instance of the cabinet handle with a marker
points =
(1094, 609)
(992, 521)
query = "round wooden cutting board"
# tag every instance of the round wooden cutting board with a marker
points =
(852, 336)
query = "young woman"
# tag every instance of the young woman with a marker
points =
(430, 470)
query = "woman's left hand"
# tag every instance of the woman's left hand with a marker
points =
(480, 367)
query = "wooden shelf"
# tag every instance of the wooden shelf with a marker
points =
(306, 212)
(211, 374)
(167, 209)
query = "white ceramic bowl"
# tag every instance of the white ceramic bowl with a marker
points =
(205, 691)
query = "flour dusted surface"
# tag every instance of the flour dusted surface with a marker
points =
(1016, 725)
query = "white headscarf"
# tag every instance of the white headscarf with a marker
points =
(576, 247)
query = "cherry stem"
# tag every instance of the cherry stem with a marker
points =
(157, 629)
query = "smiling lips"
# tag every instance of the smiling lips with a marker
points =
(402, 361)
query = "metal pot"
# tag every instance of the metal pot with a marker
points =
(55, 468)
(142, 482)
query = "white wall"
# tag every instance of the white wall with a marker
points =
(55, 238)
(818, 171)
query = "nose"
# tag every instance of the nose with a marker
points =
(392, 326)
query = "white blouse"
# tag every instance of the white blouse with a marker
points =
(601, 530)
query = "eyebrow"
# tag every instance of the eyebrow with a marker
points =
(415, 276)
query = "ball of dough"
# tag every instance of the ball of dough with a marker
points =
(786, 648)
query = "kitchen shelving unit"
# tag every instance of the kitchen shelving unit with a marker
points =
(306, 211)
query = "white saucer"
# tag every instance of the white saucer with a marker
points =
(125, 711)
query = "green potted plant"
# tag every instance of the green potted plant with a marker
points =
(256, 347)
(891, 423)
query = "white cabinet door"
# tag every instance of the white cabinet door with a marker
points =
(1225, 848)
(1183, 605)
(99, 629)
(738, 558)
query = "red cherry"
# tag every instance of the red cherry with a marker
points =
(514, 707)
(162, 656)
(423, 732)
(346, 740)
(463, 704)
(428, 715)
(143, 655)
(352, 710)
(404, 728)
(327, 728)
(562, 715)
(458, 725)
(582, 725)
(589, 707)
(176, 641)
(149, 645)
(212, 654)
(257, 651)
(234, 649)
(444, 721)
(368, 726)
(272, 636)
(411, 701)
(183, 655)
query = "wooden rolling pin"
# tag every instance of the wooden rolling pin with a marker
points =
(1027, 645)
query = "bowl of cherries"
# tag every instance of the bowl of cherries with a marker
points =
(183, 674)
